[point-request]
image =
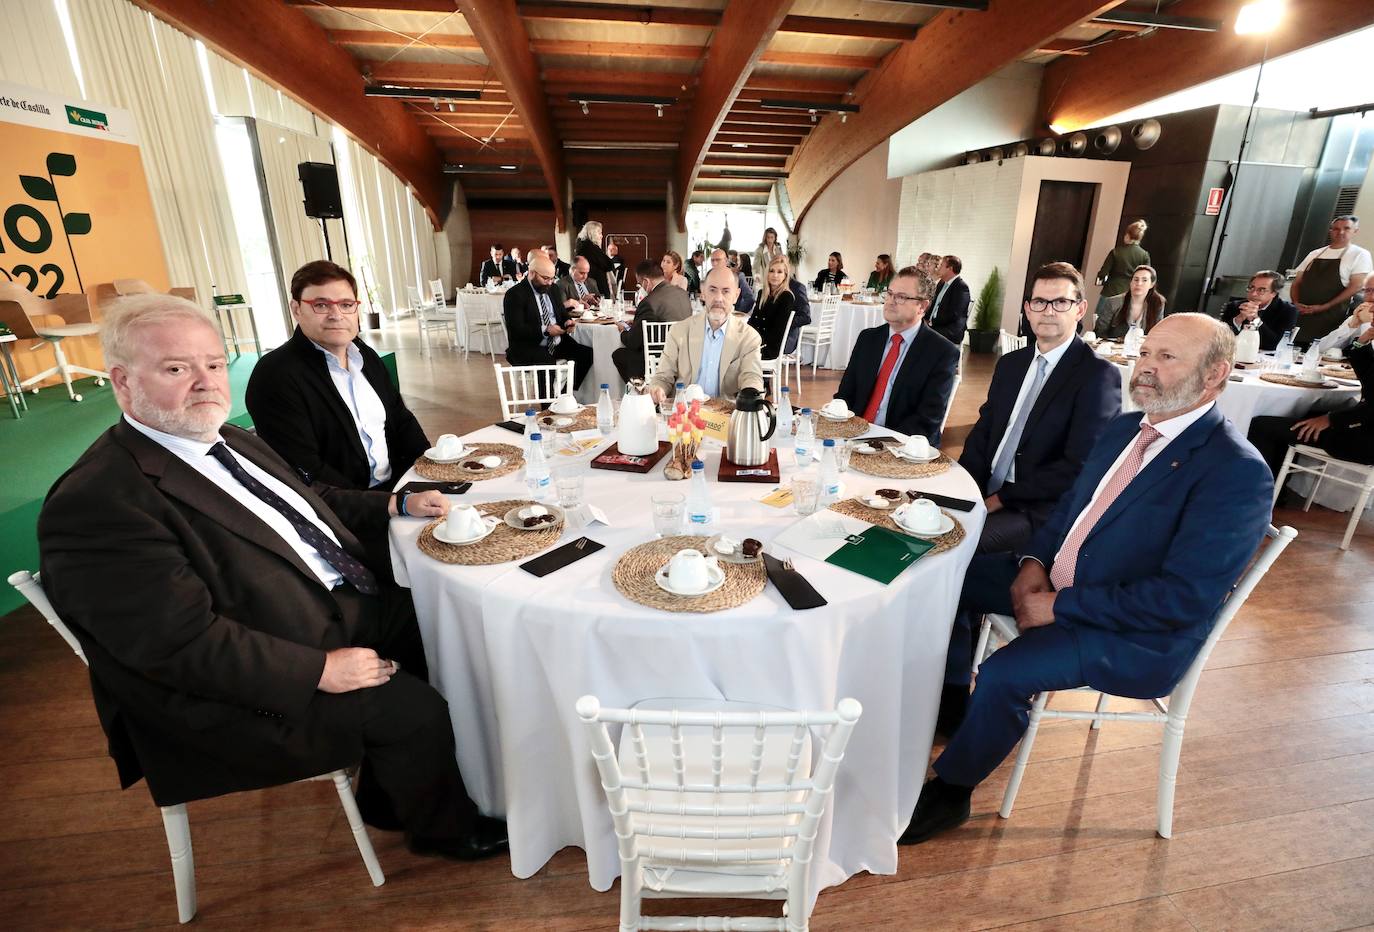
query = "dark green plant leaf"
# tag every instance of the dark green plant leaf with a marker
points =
(61, 163)
(76, 224)
(40, 189)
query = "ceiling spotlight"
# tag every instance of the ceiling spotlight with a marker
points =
(585, 109)
(436, 105)
(1259, 18)
(813, 115)
(844, 117)
(1057, 128)
(451, 108)
(659, 108)
(739, 145)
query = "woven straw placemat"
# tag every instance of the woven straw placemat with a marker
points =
(827, 429)
(582, 420)
(634, 577)
(500, 546)
(1280, 379)
(1339, 371)
(884, 465)
(883, 519)
(511, 460)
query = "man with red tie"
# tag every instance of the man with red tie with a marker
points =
(901, 374)
(1120, 587)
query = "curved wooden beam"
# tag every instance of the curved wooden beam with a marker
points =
(746, 28)
(288, 49)
(950, 54)
(506, 43)
(1082, 91)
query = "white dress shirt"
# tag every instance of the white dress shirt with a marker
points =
(1169, 431)
(366, 408)
(196, 454)
(1354, 260)
(1051, 360)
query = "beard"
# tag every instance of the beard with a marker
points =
(717, 314)
(1187, 393)
(193, 420)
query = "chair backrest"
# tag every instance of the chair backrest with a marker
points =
(30, 588)
(830, 300)
(825, 323)
(655, 338)
(436, 290)
(133, 286)
(15, 310)
(189, 293)
(782, 350)
(729, 778)
(1277, 540)
(949, 405)
(413, 295)
(521, 387)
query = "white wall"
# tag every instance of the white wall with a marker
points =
(997, 110)
(1364, 207)
(855, 216)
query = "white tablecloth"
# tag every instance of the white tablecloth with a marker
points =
(851, 319)
(512, 654)
(479, 306)
(604, 339)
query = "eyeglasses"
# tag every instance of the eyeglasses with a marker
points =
(1058, 305)
(1258, 288)
(323, 306)
(897, 298)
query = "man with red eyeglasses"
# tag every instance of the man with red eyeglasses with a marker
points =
(324, 401)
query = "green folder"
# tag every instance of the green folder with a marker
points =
(879, 553)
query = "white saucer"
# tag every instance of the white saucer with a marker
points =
(736, 557)
(472, 457)
(557, 420)
(835, 417)
(432, 454)
(716, 575)
(897, 452)
(514, 519)
(946, 525)
(864, 449)
(440, 536)
(890, 506)
(1302, 377)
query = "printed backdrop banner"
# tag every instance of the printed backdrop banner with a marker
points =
(75, 211)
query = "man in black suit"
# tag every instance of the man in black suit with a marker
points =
(1047, 405)
(1263, 309)
(579, 287)
(323, 400)
(538, 325)
(497, 267)
(236, 637)
(521, 266)
(663, 303)
(561, 269)
(802, 316)
(949, 311)
(901, 374)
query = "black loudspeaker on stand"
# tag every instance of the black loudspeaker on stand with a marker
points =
(320, 184)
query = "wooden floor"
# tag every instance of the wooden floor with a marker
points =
(1274, 824)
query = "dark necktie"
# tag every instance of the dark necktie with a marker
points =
(546, 317)
(353, 571)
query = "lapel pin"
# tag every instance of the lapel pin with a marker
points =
(1174, 465)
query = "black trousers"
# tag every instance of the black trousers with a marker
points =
(567, 348)
(629, 363)
(1272, 436)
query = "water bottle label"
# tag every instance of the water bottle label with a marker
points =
(700, 519)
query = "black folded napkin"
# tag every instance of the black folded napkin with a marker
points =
(513, 426)
(795, 589)
(571, 552)
(448, 488)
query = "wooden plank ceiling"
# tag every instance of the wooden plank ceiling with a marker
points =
(819, 53)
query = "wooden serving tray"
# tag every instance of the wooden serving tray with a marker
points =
(601, 460)
(729, 472)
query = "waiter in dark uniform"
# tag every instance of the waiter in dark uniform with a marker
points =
(1327, 279)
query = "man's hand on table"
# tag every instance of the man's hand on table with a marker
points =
(428, 504)
(350, 668)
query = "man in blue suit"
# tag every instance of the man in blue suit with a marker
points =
(1046, 407)
(1120, 587)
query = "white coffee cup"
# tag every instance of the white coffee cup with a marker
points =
(1089, 336)
(565, 404)
(449, 446)
(690, 570)
(1334, 353)
(463, 521)
(694, 392)
(917, 447)
(589, 314)
(922, 516)
(836, 407)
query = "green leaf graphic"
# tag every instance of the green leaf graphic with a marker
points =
(40, 189)
(60, 163)
(76, 224)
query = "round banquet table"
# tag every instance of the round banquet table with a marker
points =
(604, 339)
(851, 318)
(512, 653)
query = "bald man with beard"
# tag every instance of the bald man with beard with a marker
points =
(539, 326)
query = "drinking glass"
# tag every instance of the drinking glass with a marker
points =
(548, 441)
(843, 449)
(806, 490)
(669, 510)
(568, 481)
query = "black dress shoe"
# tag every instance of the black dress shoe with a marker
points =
(953, 708)
(487, 838)
(941, 806)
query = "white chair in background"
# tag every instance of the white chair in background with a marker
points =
(655, 338)
(1008, 342)
(708, 801)
(1318, 472)
(1170, 711)
(475, 315)
(819, 333)
(436, 290)
(175, 822)
(522, 387)
(433, 317)
(949, 406)
(775, 370)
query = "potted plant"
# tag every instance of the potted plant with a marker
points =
(987, 315)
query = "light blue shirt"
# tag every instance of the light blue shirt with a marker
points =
(1051, 360)
(196, 454)
(366, 408)
(708, 377)
(907, 337)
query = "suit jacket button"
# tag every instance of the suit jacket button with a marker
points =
(336, 615)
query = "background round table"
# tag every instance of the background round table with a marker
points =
(604, 339)
(849, 321)
(512, 653)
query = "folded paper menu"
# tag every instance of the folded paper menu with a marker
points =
(854, 545)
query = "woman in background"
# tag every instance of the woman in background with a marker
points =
(768, 250)
(774, 309)
(671, 263)
(589, 248)
(832, 274)
(882, 273)
(1122, 261)
(1140, 304)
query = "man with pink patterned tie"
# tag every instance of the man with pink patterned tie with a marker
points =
(1118, 590)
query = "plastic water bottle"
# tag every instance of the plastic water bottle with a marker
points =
(806, 439)
(1134, 338)
(830, 475)
(699, 511)
(784, 413)
(678, 389)
(531, 428)
(1283, 352)
(605, 411)
(536, 470)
